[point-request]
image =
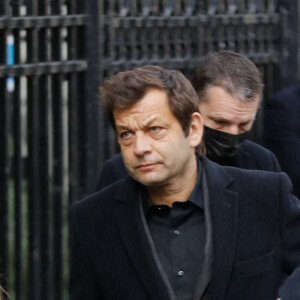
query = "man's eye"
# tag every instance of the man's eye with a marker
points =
(220, 122)
(244, 125)
(155, 129)
(125, 135)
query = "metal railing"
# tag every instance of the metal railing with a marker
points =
(42, 94)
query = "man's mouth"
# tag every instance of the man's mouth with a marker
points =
(146, 167)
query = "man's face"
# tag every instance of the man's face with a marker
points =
(227, 113)
(154, 147)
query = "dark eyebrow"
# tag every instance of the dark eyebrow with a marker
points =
(121, 128)
(147, 124)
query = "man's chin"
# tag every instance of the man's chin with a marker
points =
(148, 179)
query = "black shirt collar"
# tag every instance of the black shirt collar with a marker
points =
(196, 196)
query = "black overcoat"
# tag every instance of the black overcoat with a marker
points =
(255, 223)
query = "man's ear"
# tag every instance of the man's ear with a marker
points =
(196, 130)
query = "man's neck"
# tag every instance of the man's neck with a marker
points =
(177, 190)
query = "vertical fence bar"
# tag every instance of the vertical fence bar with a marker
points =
(17, 169)
(74, 133)
(4, 159)
(58, 162)
(57, 116)
(93, 115)
(33, 167)
(18, 204)
(76, 98)
(4, 179)
(44, 186)
(44, 154)
(291, 34)
(76, 50)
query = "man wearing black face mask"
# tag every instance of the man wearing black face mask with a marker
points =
(229, 87)
(221, 147)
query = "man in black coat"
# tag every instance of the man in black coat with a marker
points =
(229, 88)
(282, 131)
(180, 226)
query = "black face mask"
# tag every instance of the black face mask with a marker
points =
(221, 147)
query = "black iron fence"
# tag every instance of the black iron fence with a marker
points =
(43, 65)
(54, 136)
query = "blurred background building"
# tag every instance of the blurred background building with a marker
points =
(54, 136)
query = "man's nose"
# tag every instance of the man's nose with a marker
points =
(233, 129)
(141, 145)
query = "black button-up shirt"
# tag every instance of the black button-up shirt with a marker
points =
(179, 237)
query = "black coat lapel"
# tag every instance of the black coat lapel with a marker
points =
(138, 244)
(224, 213)
(206, 268)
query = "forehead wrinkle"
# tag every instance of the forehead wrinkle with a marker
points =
(234, 109)
(150, 120)
(137, 122)
(236, 116)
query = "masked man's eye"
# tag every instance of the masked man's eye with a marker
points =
(220, 122)
(245, 125)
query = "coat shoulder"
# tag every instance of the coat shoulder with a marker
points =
(104, 200)
(260, 158)
(256, 149)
